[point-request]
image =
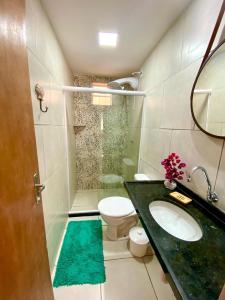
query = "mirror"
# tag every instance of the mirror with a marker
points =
(208, 94)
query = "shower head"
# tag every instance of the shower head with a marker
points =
(118, 84)
(137, 74)
(115, 84)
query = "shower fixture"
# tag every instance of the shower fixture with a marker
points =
(118, 84)
(118, 89)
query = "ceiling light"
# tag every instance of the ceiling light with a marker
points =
(107, 39)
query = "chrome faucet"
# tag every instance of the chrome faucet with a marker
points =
(211, 196)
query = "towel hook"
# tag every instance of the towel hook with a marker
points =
(40, 96)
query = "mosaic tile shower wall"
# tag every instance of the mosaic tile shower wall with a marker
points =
(107, 144)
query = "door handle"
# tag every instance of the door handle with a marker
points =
(38, 188)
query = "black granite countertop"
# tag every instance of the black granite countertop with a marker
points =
(196, 269)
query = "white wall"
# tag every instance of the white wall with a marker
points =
(54, 132)
(168, 75)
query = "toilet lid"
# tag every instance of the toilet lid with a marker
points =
(116, 206)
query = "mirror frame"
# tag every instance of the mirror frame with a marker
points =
(208, 54)
(193, 89)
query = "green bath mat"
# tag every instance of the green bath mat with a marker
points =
(81, 258)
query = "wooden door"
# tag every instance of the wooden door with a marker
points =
(24, 268)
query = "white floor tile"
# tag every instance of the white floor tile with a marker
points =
(127, 279)
(86, 198)
(118, 249)
(150, 250)
(78, 292)
(114, 249)
(162, 289)
(103, 222)
(104, 193)
(92, 207)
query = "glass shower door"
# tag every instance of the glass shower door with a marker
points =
(121, 125)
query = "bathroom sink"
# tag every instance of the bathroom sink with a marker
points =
(175, 221)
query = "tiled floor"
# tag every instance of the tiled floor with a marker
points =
(88, 199)
(127, 278)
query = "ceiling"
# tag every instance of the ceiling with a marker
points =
(140, 25)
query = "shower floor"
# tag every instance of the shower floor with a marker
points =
(88, 199)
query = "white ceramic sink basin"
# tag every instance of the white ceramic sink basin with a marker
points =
(175, 221)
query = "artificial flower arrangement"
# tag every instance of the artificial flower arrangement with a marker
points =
(173, 166)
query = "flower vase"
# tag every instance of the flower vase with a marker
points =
(171, 185)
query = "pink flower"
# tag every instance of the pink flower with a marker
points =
(182, 165)
(173, 165)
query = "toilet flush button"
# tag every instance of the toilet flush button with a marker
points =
(139, 232)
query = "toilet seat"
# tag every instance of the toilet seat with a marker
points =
(116, 207)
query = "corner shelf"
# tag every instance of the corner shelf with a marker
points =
(78, 128)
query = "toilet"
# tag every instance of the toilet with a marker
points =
(119, 214)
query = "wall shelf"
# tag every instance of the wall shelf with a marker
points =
(78, 128)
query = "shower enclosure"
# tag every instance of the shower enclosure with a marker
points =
(107, 129)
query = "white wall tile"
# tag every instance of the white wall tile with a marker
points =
(197, 149)
(48, 67)
(151, 72)
(54, 147)
(40, 152)
(152, 109)
(53, 241)
(200, 19)
(147, 169)
(55, 197)
(176, 111)
(169, 51)
(58, 107)
(31, 24)
(70, 147)
(165, 59)
(155, 146)
(45, 39)
(39, 74)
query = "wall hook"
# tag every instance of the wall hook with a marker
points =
(40, 96)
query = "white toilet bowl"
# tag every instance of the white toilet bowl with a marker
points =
(119, 214)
